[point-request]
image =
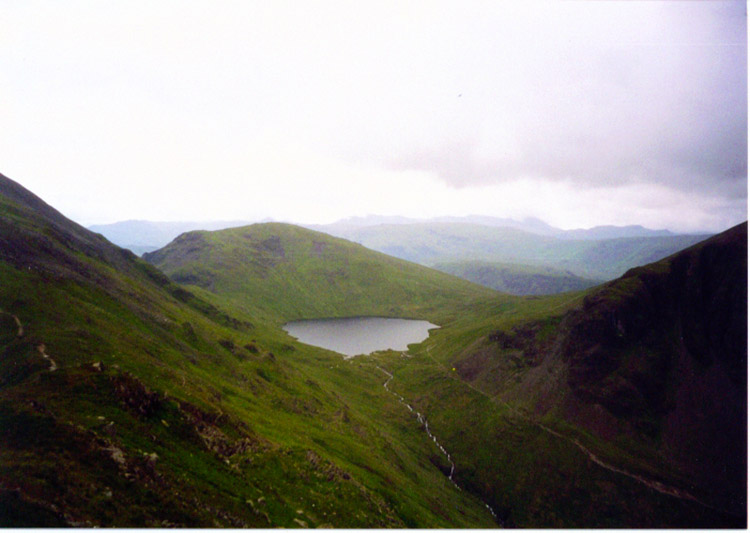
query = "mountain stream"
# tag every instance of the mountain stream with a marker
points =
(426, 425)
(652, 484)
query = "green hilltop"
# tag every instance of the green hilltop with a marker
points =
(127, 401)
(286, 272)
(133, 396)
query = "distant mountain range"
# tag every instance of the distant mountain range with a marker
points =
(144, 235)
(168, 394)
(529, 225)
(594, 257)
(569, 259)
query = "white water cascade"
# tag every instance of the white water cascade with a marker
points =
(425, 424)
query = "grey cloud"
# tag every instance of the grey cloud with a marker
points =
(596, 94)
(671, 112)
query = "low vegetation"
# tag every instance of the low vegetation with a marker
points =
(133, 396)
(517, 279)
(163, 411)
(597, 259)
(283, 272)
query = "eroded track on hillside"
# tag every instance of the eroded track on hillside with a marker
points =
(41, 348)
(19, 332)
(657, 486)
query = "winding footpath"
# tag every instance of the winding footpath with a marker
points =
(41, 348)
(650, 483)
(18, 325)
(655, 485)
(425, 424)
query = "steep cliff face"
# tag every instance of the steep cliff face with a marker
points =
(637, 328)
(664, 351)
(650, 370)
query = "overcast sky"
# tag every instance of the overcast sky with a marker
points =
(579, 113)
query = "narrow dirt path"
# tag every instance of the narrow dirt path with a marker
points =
(19, 334)
(655, 485)
(41, 348)
(652, 484)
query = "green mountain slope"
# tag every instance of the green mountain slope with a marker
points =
(631, 398)
(127, 401)
(516, 279)
(285, 272)
(535, 466)
(433, 243)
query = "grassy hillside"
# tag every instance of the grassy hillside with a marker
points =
(534, 464)
(127, 401)
(285, 272)
(516, 279)
(600, 259)
(646, 374)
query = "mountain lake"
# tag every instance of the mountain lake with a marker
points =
(360, 335)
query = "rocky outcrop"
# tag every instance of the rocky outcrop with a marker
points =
(135, 395)
(630, 344)
(207, 428)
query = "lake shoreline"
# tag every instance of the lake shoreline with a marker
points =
(352, 336)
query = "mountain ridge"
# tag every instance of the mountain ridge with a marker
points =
(601, 259)
(586, 253)
(658, 356)
(273, 263)
(529, 224)
(155, 234)
(129, 400)
(120, 405)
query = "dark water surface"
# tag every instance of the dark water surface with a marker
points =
(360, 335)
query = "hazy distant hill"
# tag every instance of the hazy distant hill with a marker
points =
(517, 279)
(597, 254)
(531, 225)
(614, 232)
(128, 400)
(142, 235)
(592, 258)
